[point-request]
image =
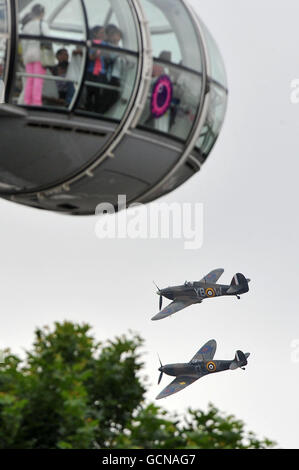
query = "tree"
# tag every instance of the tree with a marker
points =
(73, 392)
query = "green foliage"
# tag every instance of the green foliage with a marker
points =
(72, 392)
(213, 430)
(152, 428)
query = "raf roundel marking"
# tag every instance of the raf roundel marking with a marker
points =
(161, 96)
(210, 292)
(211, 366)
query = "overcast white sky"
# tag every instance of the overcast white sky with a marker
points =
(54, 268)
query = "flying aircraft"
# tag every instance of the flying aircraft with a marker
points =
(195, 292)
(201, 364)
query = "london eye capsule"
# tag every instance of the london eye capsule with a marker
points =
(104, 98)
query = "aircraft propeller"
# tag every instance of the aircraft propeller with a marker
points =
(161, 298)
(161, 375)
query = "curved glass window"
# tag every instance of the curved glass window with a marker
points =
(64, 70)
(218, 96)
(108, 83)
(61, 18)
(163, 36)
(3, 44)
(214, 120)
(66, 19)
(173, 100)
(116, 19)
(111, 65)
(172, 33)
(176, 89)
(47, 73)
(217, 66)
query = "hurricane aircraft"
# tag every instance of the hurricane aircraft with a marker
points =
(195, 292)
(201, 364)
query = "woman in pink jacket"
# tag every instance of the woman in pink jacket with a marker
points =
(33, 25)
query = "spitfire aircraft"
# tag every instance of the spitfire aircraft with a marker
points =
(201, 364)
(195, 292)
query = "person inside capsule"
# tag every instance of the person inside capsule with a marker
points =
(96, 72)
(105, 69)
(65, 89)
(33, 24)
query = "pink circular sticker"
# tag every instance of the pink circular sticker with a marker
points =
(161, 96)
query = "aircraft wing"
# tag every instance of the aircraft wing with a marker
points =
(206, 352)
(213, 276)
(172, 308)
(178, 384)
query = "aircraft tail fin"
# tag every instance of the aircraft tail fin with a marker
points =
(240, 360)
(239, 285)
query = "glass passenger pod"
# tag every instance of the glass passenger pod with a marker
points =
(62, 68)
(176, 89)
(218, 97)
(4, 36)
(77, 56)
